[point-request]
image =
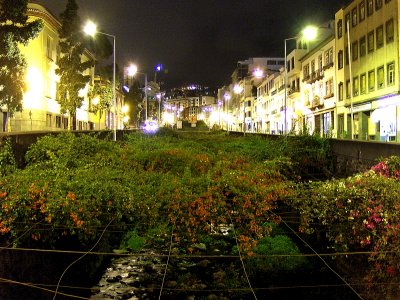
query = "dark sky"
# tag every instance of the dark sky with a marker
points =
(199, 41)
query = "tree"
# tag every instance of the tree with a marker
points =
(101, 96)
(14, 30)
(134, 99)
(70, 65)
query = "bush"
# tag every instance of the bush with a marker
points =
(7, 159)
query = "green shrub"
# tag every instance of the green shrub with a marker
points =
(133, 241)
(280, 254)
(7, 159)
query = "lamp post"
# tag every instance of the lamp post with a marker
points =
(227, 97)
(91, 29)
(309, 33)
(132, 71)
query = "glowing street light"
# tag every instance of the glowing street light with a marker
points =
(309, 33)
(91, 29)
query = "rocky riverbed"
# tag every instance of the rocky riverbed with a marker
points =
(140, 276)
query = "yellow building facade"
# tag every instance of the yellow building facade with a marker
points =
(367, 49)
(40, 109)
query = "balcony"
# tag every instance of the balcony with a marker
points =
(293, 90)
(327, 66)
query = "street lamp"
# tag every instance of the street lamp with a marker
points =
(91, 29)
(309, 33)
(132, 71)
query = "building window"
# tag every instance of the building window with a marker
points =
(329, 88)
(363, 84)
(48, 120)
(370, 7)
(339, 28)
(354, 17)
(371, 80)
(58, 121)
(389, 31)
(306, 71)
(346, 55)
(348, 89)
(390, 73)
(371, 41)
(379, 37)
(354, 51)
(329, 57)
(347, 20)
(363, 46)
(378, 4)
(320, 62)
(381, 77)
(361, 8)
(340, 91)
(340, 59)
(356, 86)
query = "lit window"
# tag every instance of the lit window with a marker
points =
(390, 74)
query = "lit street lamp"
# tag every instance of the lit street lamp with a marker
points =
(91, 29)
(309, 33)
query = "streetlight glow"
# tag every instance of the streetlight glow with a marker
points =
(310, 33)
(90, 28)
(132, 70)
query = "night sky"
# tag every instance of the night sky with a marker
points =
(199, 41)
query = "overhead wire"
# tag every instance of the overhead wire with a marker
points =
(75, 261)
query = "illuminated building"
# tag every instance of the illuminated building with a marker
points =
(368, 70)
(40, 109)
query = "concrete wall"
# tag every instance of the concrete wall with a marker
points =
(358, 156)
